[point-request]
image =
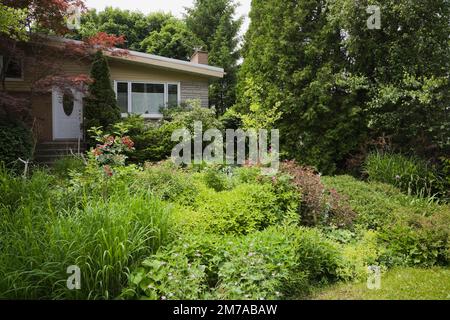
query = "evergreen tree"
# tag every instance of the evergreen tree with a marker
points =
(293, 64)
(213, 22)
(100, 105)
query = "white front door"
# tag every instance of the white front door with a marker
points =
(67, 115)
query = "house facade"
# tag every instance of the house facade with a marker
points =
(144, 84)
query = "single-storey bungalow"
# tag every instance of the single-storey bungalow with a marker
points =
(144, 83)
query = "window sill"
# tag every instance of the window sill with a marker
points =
(146, 116)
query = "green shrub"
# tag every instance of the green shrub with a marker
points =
(100, 105)
(417, 240)
(377, 203)
(153, 140)
(16, 141)
(167, 182)
(277, 263)
(244, 209)
(411, 175)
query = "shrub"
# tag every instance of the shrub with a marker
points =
(409, 174)
(244, 209)
(100, 106)
(167, 182)
(319, 205)
(417, 240)
(277, 263)
(16, 141)
(153, 141)
(376, 204)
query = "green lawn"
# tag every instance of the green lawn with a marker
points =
(397, 284)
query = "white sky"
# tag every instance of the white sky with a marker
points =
(174, 6)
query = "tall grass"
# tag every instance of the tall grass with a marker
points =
(411, 175)
(40, 239)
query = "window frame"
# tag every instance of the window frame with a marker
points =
(166, 95)
(21, 69)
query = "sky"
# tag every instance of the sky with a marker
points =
(174, 6)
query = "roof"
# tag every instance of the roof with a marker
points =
(169, 63)
(157, 61)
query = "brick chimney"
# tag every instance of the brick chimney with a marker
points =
(200, 57)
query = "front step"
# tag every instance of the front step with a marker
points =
(48, 152)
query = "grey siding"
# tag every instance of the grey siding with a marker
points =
(195, 90)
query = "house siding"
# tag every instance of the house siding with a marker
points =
(195, 90)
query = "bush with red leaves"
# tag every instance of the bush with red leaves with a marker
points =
(319, 205)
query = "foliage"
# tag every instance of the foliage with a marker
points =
(404, 66)
(174, 40)
(100, 108)
(377, 203)
(16, 141)
(242, 210)
(213, 22)
(339, 85)
(65, 166)
(411, 175)
(12, 22)
(241, 268)
(418, 240)
(292, 60)
(134, 25)
(43, 235)
(153, 141)
(167, 182)
(319, 205)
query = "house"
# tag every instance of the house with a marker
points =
(144, 83)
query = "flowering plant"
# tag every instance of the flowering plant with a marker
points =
(111, 148)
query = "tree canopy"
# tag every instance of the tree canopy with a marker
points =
(340, 85)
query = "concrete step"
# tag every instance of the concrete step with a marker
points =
(48, 152)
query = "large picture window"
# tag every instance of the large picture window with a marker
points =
(146, 98)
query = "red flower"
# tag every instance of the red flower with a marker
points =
(128, 142)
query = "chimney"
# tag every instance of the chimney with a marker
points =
(200, 57)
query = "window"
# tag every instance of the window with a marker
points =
(14, 68)
(145, 98)
(172, 95)
(122, 96)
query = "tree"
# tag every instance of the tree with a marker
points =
(213, 22)
(12, 22)
(340, 85)
(100, 108)
(406, 68)
(134, 26)
(294, 67)
(174, 40)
